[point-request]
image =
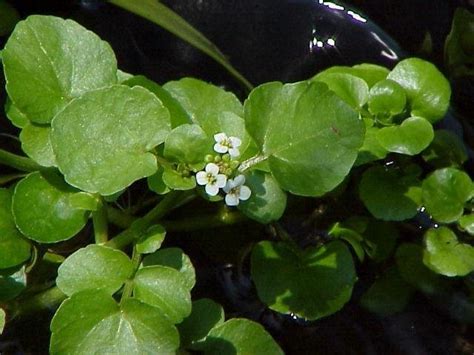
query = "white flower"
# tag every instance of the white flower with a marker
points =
(226, 144)
(236, 191)
(211, 178)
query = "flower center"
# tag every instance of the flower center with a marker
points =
(211, 179)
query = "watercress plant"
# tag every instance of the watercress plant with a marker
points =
(361, 136)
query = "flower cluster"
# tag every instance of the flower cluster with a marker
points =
(219, 171)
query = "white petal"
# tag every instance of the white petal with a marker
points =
(231, 200)
(236, 142)
(219, 137)
(219, 148)
(201, 178)
(212, 189)
(221, 180)
(244, 193)
(228, 186)
(234, 152)
(239, 180)
(212, 169)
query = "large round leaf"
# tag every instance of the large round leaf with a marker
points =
(94, 267)
(308, 134)
(14, 249)
(49, 61)
(43, 211)
(427, 90)
(312, 284)
(102, 140)
(446, 255)
(91, 322)
(445, 192)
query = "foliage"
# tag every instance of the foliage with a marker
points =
(362, 134)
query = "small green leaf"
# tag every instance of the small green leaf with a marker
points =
(353, 90)
(57, 60)
(350, 236)
(188, 144)
(102, 140)
(370, 73)
(176, 181)
(91, 321)
(459, 45)
(445, 255)
(445, 192)
(371, 149)
(388, 194)
(85, 201)
(14, 249)
(156, 184)
(17, 118)
(36, 143)
(42, 209)
(379, 239)
(311, 283)
(152, 239)
(410, 138)
(205, 315)
(309, 136)
(267, 201)
(164, 288)
(446, 150)
(467, 223)
(12, 285)
(387, 98)
(427, 90)
(388, 295)
(2, 320)
(239, 337)
(94, 267)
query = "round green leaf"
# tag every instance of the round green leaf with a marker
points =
(188, 144)
(387, 98)
(205, 315)
(267, 201)
(156, 184)
(311, 283)
(410, 138)
(102, 140)
(467, 223)
(176, 259)
(91, 322)
(388, 194)
(309, 136)
(36, 143)
(164, 288)
(12, 285)
(371, 149)
(446, 149)
(57, 60)
(427, 90)
(14, 249)
(94, 267)
(42, 209)
(353, 90)
(445, 192)
(176, 181)
(370, 73)
(239, 337)
(152, 239)
(445, 255)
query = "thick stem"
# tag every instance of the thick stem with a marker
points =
(100, 222)
(48, 299)
(18, 162)
(5, 179)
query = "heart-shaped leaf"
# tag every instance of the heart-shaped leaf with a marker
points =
(410, 138)
(387, 98)
(312, 284)
(102, 140)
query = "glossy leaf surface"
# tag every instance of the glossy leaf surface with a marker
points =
(151, 240)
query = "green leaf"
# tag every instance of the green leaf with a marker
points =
(151, 240)
(459, 45)
(164, 288)
(267, 201)
(122, 76)
(176, 181)
(36, 143)
(379, 239)
(371, 149)
(102, 140)
(188, 144)
(91, 321)
(445, 192)
(2, 320)
(445, 255)
(42, 209)
(57, 60)
(14, 249)
(205, 315)
(94, 267)
(353, 90)
(388, 194)
(12, 285)
(410, 138)
(467, 223)
(387, 98)
(176, 259)
(446, 149)
(17, 118)
(85, 201)
(309, 136)
(350, 236)
(311, 283)
(389, 294)
(370, 73)
(156, 184)
(427, 90)
(239, 337)
(8, 18)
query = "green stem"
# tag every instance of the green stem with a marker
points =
(5, 179)
(100, 222)
(18, 162)
(120, 218)
(128, 288)
(48, 299)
